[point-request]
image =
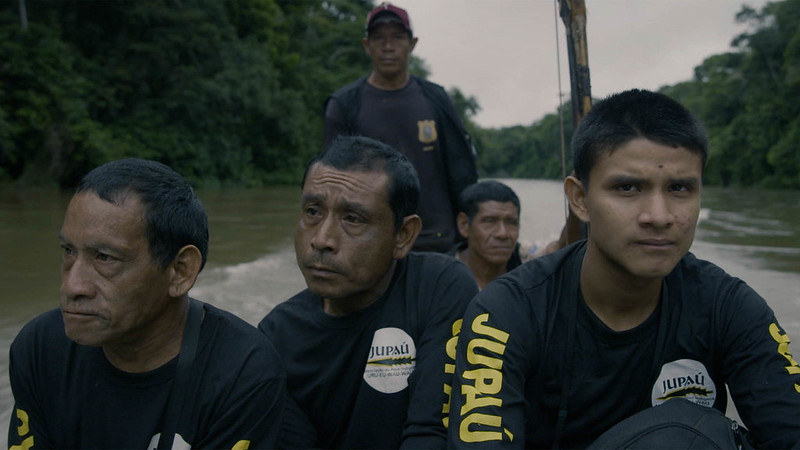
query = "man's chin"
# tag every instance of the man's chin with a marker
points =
(499, 258)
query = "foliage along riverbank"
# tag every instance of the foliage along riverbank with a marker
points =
(231, 92)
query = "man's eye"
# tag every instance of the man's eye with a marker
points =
(679, 188)
(627, 187)
(104, 257)
(350, 218)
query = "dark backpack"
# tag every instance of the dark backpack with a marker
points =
(677, 423)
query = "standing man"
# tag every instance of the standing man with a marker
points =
(558, 351)
(413, 116)
(488, 220)
(369, 345)
(129, 360)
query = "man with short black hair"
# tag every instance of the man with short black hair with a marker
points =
(413, 116)
(368, 346)
(488, 220)
(560, 350)
(129, 360)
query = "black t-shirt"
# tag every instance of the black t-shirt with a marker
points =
(529, 339)
(378, 378)
(69, 396)
(405, 120)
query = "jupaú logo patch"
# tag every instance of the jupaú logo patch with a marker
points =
(684, 378)
(392, 358)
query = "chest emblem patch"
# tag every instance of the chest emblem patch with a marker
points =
(685, 378)
(427, 131)
(392, 358)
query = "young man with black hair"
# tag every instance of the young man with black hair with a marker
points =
(566, 346)
(106, 370)
(413, 116)
(369, 345)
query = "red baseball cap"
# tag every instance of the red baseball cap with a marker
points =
(386, 13)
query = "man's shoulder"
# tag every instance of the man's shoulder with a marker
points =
(427, 84)
(434, 92)
(544, 269)
(299, 303)
(287, 314)
(46, 328)
(234, 341)
(431, 263)
(702, 282)
(435, 279)
(692, 271)
(230, 323)
(349, 87)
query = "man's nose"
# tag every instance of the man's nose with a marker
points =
(326, 237)
(657, 211)
(76, 280)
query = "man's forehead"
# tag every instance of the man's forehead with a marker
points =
(355, 182)
(92, 215)
(497, 207)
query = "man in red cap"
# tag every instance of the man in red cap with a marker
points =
(412, 115)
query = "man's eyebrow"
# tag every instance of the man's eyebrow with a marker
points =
(355, 207)
(691, 181)
(625, 179)
(312, 198)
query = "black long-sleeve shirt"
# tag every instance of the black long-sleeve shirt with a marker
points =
(378, 378)
(515, 362)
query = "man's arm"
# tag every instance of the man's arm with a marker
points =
(763, 376)
(429, 384)
(459, 151)
(335, 123)
(488, 400)
(251, 415)
(27, 425)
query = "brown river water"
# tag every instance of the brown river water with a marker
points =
(752, 234)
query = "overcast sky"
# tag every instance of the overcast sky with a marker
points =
(503, 52)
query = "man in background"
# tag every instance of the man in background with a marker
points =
(368, 346)
(411, 115)
(488, 220)
(106, 370)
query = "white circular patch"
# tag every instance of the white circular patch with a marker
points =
(392, 358)
(684, 378)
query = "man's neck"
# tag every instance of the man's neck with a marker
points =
(356, 302)
(156, 345)
(621, 302)
(388, 83)
(483, 271)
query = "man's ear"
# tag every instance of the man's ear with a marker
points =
(406, 235)
(184, 270)
(576, 194)
(364, 42)
(463, 224)
(413, 44)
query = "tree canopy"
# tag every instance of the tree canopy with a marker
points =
(232, 91)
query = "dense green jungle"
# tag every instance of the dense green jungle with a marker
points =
(230, 92)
